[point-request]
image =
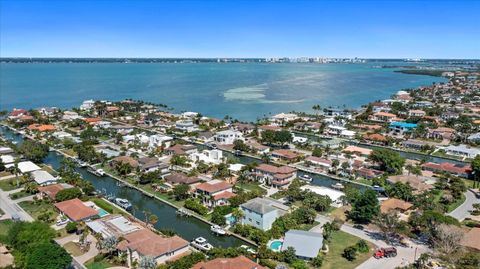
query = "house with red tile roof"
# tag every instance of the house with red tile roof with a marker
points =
(279, 177)
(17, 113)
(394, 204)
(240, 262)
(92, 121)
(52, 190)
(214, 192)
(41, 127)
(358, 151)
(376, 138)
(461, 170)
(319, 162)
(145, 242)
(76, 210)
(285, 154)
(383, 117)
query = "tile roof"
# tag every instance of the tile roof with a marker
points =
(214, 186)
(51, 190)
(76, 210)
(178, 178)
(240, 262)
(393, 204)
(148, 243)
(472, 239)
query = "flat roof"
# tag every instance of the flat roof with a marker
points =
(25, 167)
(306, 244)
(42, 177)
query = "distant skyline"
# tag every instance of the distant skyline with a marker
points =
(240, 29)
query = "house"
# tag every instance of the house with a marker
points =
(145, 242)
(178, 178)
(6, 150)
(334, 195)
(414, 144)
(43, 177)
(180, 149)
(124, 160)
(186, 126)
(92, 121)
(25, 167)
(416, 113)
(272, 175)
(76, 210)
(357, 151)
(268, 128)
(153, 164)
(394, 204)
(16, 113)
(214, 192)
(240, 262)
(470, 239)
(400, 128)
(474, 138)
(375, 138)
(284, 154)
(113, 225)
(441, 133)
(227, 137)
(335, 112)
(41, 127)
(319, 162)
(462, 151)
(87, 105)
(259, 148)
(461, 170)
(283, 117)
(6, 159)
(70, 115)
(419, 184)
(367, 173)
(262, 212)
(306, 244)
(62, 135)
(159, 140)
(51, 191)
(244, 128)
(382, 117)
(214, 156)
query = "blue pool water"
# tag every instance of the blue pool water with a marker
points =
(276, 245)
(102, 212)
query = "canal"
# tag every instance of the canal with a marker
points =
(186, 227)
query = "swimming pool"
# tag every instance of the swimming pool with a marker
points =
(276, 245)
(101, 212)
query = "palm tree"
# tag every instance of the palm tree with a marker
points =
(317, 108)
(238, 214)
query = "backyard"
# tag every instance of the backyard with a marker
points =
(339, 241)
(40, 210)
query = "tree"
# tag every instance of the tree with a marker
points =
(71, 227)
(68, 194)
(317, 152)
(147, 262)
(476, 171)
(365, 207)
(388, 224)
(180, 191)
(240, 145)
(33, 150)
(350, 253)
(238, 214)
(289, 255)
(152, 219)
(109, 245)
(446, 240)
(401, 191)
(47, 255)
(316, 108)
(317, 261)
(388, 160)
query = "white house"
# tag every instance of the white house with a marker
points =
(25, 167)
(62, 135)
(284, 117)
(462, 151)
(87, 105)
(227, 137)
(43, 178)
(186, 126)
(158, 140)
(213, 156)
(70, 115)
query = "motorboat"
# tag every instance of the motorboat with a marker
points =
(216, 229)
(248, 249)
(97, 172)
(123, 203)
(338, 186)
(306, 177)
(201, 244)
(182, 212)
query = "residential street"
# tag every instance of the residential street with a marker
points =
(11, 208)
(463, 211)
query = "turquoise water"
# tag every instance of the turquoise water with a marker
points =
(276, 245)
(102, 212)
(242, 90)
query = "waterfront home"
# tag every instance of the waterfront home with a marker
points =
(87, 105)
(367, 127)
(6, 150)
(313, 127)
(462, 151)
(25, 167)
(367, 173)
(181, 149)
(383, 117)
(43, 178)
(461, 170)
(47, 111)
(359, 151)
(244, 128)
(158, 140)
(113, 225)
(186, 126)
(258, 148)
(51, 191)
(227, 137)
(148, 164)
(144, 242)
(375, 138)
(278, 177)
(336, 112)
(205, 136)
(189, 115)
(319, 162)
(414, 144)
(285, 154)
(262, 212)
(92, 121)
(441, 133)
(122, 129)
(179, 178)
(70, 115)
(16, 113)
(62, 135)
(474, 138)
(7, 159)
(41, 127)
(419, 184)
(394, 204)
(268, 128)
(214, 156)
(214, 192)
(416, 113)
(400, 128)
(306, 244)
(76, 210)
(124, 160)
(283, 118)
(240, 262)
(334, 195)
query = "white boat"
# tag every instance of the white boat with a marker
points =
(306, 177)
(248, 249)
(97, 172)
(201, 244)
(123, 203)
(182, 212)
(338, 186)
(217, 230)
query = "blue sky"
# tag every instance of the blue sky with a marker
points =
(371, 29)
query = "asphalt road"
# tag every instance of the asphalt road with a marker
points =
(463, 211)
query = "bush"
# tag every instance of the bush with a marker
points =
(350, 253)
(71, 227)
(196, 207)
(68, 194)
(317, 261)
(362, 246)
(268, 263)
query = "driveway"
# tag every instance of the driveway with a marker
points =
(463, 211)
(11, 208)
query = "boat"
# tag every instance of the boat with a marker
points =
(182, 212)
(338, 186)
(248, 249)
(306, 177)
(216, 229)
(238, 152)
(81, 163)
(97, 172)
(123, 203)
(201, 244)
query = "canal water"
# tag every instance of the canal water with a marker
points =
(186, 227)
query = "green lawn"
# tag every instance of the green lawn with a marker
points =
(278, 195)
(18, 195)
(39, 209)
(249, 186)
(456, 204)
(339, 241)
(10, 184)
(107, 206)
(100, 264)
(73, 249)
(4, 228)
(5, 173)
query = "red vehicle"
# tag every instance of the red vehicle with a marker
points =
(385, 253)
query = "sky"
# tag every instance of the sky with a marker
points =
(240, 28)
